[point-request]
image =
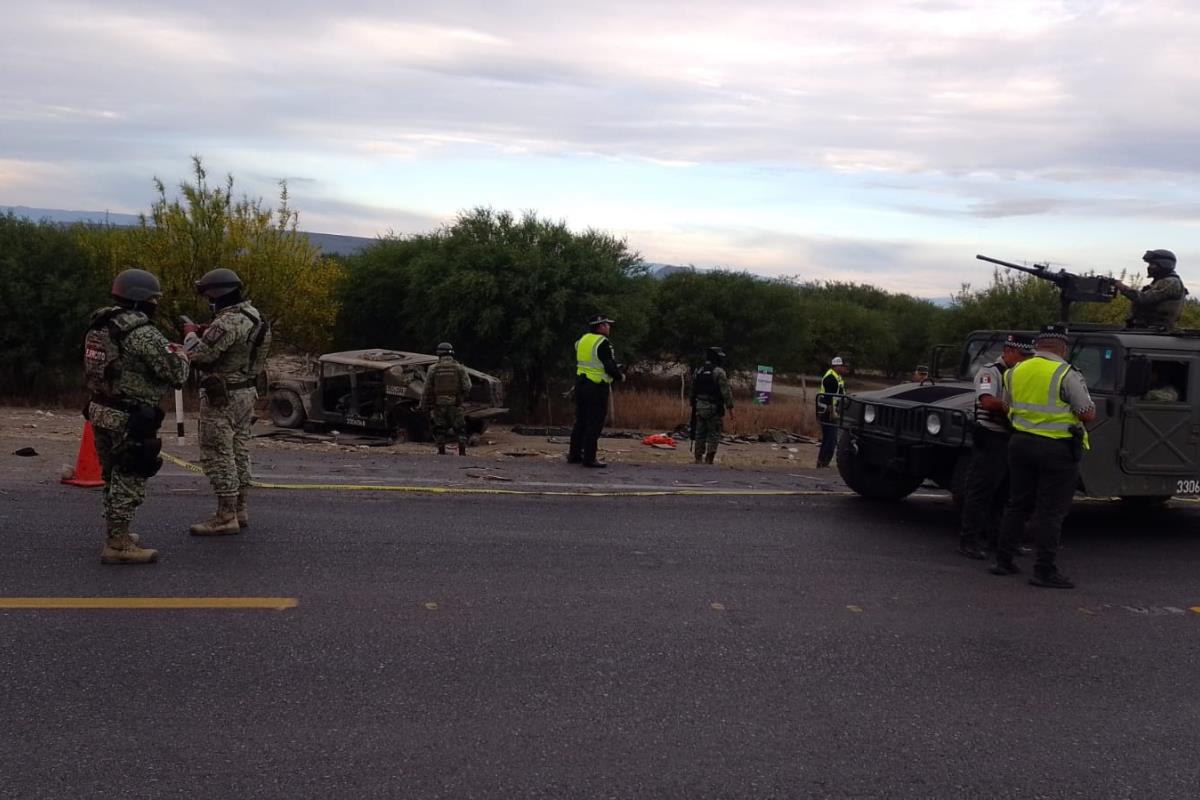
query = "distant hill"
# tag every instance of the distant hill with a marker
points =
(330, 243)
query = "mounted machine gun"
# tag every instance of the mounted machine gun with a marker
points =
(1072, 288)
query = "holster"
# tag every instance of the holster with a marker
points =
(1077, 443)
(140, 455)
(215, 390)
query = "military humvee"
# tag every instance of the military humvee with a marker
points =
(373, 391)
(1145, 441)
(892, 440)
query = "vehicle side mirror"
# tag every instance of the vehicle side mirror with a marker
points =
(1137, 376)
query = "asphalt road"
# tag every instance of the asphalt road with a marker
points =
(465, 646)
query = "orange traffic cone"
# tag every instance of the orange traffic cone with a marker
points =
(87, 464)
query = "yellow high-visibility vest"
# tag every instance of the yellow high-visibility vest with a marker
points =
(587, 358)
(824, 404)
(1037, 407)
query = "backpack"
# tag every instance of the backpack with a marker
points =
(445, 381)
(705, 386)
(260, 334)
(102, 349)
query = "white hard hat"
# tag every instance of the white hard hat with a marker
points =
(837, 362)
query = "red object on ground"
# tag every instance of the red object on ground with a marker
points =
(659, 438)
(87, 463)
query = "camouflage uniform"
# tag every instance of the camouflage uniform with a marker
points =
(447, 385)
(147, 372)
(1159, 304)
(230, 355)
(711, 395)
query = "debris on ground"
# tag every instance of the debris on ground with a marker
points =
(26, 452)
(542, 430)
(660, 440)
(781, 436)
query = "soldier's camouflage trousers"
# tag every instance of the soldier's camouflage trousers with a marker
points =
(446, 420)
(224, 441)
(124, 491)
(708, 429)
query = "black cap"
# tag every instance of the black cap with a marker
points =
(1055, 331)
(599, 319)
(1019, 342)
(715, 354)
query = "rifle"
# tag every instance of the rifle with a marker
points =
(1072, 288)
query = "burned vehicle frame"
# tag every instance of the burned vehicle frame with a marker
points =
(373, 391)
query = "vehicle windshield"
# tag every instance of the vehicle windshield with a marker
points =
(978, 352)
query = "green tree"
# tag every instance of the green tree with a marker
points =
(46, 296)
(512, 294)
(207, 227)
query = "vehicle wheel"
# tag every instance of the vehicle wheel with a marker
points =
(286, 409)
(477, 426)
(873, 483)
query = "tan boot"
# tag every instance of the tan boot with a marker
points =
(243, 517)
(224, 523)
(120, 547)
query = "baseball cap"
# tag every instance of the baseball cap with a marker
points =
(837, 362)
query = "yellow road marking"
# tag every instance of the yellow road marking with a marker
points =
(270, 603)
(1196, 609)
(364, 487)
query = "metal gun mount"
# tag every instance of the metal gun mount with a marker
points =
(1072, 288)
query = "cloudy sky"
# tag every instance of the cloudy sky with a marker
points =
(871, 140)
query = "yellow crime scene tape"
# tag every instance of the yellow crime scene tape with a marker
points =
(365, 487)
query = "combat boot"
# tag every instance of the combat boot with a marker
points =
(120, 547)
(224, 523)
(699, 456)
(462, 448)
(441, 448)
(243, 517)
(1003, 565)
(1050, 578)
(709, 456)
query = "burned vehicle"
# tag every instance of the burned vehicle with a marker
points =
(373, 391)
(1145, 440)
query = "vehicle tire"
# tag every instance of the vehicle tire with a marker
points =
(286, 409)
(477, 426)
(872, 482)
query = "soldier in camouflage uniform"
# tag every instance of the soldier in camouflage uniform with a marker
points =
(1159, 303)
(711, 398)
(231, 352)
(447, 386)
(129, 366)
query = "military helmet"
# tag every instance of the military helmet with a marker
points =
(1164, 259)
(445, 349)
(136, 286)
(218, 283)
(715, 354)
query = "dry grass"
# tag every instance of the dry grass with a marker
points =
(650, 410)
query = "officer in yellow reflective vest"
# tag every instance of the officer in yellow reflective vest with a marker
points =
(1047, 402)
(833, 385)
(595, 369)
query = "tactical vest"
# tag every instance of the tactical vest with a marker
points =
(444, 377)
(1037, 407)
(260, 340)
(705, 386)
(587, 358)
(102, 349)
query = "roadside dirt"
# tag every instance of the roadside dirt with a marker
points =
(54, 433)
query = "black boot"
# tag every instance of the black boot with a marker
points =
(1051, 578)
(595, 464)
(441, 448)
(709, 456)
(462, 448)
(970, 549)
(1003, 565)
